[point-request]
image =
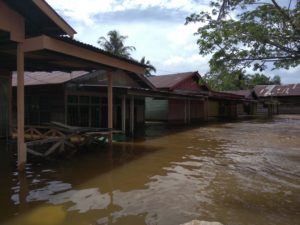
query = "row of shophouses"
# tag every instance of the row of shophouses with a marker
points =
(80, 99)
(113, 93)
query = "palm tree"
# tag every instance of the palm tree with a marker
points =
(150, 68)
(115, 44)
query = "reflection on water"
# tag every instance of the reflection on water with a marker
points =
(236, 173)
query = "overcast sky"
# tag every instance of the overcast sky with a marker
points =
(156, 28)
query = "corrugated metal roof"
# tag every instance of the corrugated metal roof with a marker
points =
(96, 49)
(58, 77)
(222, 94)
(277, 90)
(42, 78)
(170, 80)
(245, 93)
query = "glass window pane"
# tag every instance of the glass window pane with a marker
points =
(73, 99)
(84, 99)
(95, 100)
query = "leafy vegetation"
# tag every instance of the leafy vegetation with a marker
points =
(244, 34)
(115, 44)
(240, 82)
(150, 67)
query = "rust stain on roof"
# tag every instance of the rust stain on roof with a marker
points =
(277, 90)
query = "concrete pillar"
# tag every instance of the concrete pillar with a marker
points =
(189, 111)
(110, 106)
(205, 109)
(124, 114)
(185, 111)
(22, 154)
(132, 115)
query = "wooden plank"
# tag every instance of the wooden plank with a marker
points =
(54, 133)
(65, 126)
(34, 152)
(69, 144)
(53, 148)
(44, 141)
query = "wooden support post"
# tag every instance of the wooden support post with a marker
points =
(185, 111)
(132, 115)
(269, 110)
(20, 107)
(189, 111)
(205, 109)
(124, 114)
(110, 105)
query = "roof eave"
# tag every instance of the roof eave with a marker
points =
(54, 16)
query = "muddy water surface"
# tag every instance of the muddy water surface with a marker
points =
(236, 173)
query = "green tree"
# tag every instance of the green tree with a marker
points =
(224, 82)
(240, 82)
(115, 44)
(276, 80)
(261, 79)
(150, 68)
(255, 34)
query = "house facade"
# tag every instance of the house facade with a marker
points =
(278, 99)
(80, 99)
(249, 105)
(223, 105)
(201, 103)
(33, 37)
(186, 104)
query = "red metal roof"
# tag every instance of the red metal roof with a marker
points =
(42, 78)
(169, 81)
(221, 94)
(277, 90)
(245, 93)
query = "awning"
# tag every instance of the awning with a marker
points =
(45, 53)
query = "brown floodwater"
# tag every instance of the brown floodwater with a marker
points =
(237, 173)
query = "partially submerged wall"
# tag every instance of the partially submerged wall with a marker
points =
(156, 109)
(5, 90)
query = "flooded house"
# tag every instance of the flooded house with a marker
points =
(79, 99)
(278, 99)
(33, 37)
(249, 105)
(210, 104)
(223, 105)
(191, 107)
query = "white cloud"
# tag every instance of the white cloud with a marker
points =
(169, 45)
(194, 59)
(174, 61)
(84, 11)
(181, 35)
(183, 63)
